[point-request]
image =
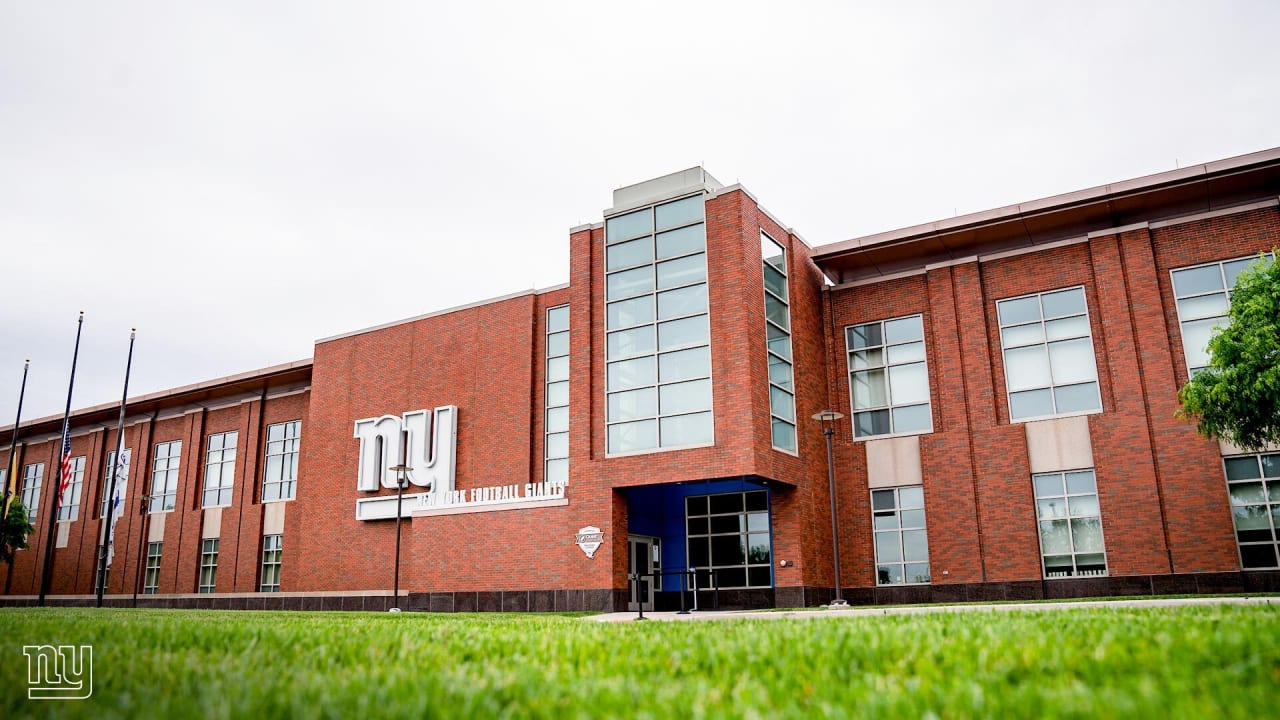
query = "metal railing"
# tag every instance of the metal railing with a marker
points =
(638, 584)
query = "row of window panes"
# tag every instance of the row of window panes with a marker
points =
(666, 305)
(888, 377)
(658, 218)
(658, 392)
(1253, 483)
(1203, 297)
(1070, 524)
(1050, 366)
(902, 544)
(556, 440)
(1048, 358)
(208, 579)
(219, 477)
(782, 400)
(1069, 519)
(647, 250)
(729, 533)
(648, 279)
(650, 338)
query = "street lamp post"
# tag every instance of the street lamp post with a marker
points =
(402, 480)
(828, 419)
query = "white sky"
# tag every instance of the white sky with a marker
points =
(239, 179)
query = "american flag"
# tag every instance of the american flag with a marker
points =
(65, 480)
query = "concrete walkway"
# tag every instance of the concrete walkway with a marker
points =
(863, 610)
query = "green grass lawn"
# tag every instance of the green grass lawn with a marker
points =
(1203, 661)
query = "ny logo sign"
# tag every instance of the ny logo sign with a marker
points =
(425, 441)
(59, 673)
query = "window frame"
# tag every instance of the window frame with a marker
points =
(1045, 342)
(220, 489)
(657, 353)
(69, 503)
(1226, 316)
(29, 495)
(101, 576)
(891, 406)
(207, 573)
(897, 510)
(1270, 502)
(284, 452)
(774, 418)
(547, 407)
(151, 570)
(744, 532)
(273, 559)
(1066, 496)
(173, 464)
(106, 481)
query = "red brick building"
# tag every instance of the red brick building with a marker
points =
(1007, 381)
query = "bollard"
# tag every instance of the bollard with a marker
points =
(635, 586)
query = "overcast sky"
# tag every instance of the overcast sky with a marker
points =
(239, 179)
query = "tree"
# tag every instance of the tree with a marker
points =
(14, 529)
(1237, 397)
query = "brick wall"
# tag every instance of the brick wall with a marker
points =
(1160, 487)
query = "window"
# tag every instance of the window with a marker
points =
(902, 546)
(1203, 294)
(100, 578)
(106, 481)
(729, 533)
(32, 478)
(271, 548)
(69, 505)
(1049, 365)
(657, 336)
(556, 440)
(1253, 482)
(777, 320)
(219, 469)
(208, 565)
(164, 476)
(280, 478)
(151, 578)
(1070, 524)
(888, 378)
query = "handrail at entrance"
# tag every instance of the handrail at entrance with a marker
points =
(688, 579)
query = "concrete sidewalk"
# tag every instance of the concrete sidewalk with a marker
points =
(861, 611)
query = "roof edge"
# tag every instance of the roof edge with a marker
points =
(1051, 203)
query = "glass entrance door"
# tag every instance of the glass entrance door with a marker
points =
(644, 556)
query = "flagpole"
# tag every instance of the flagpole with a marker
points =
(11, 475)
(107, 537)
(57, 495)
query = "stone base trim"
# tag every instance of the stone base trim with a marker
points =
(606, 600)
(615, 599)
(1256, 581)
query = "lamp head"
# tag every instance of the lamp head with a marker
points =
(828, 419)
